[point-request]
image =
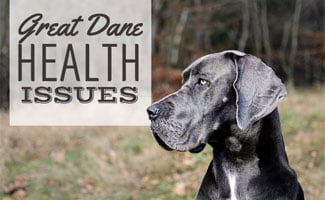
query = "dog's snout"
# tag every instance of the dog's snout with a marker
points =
(153, 111)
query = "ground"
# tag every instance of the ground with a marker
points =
(79, 163)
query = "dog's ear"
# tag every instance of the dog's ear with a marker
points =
(258, 89)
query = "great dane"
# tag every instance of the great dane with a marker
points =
(229, 101)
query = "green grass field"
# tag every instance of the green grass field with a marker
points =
(120, 163)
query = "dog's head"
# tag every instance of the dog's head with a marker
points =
(216, 88)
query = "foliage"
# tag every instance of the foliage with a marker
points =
(288, 35)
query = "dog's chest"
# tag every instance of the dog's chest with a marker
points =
(231, 177)
(238, 179)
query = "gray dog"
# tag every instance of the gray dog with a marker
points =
(229, 101)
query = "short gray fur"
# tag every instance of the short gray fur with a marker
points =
(229, 100)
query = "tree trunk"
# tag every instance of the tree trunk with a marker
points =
(294, 41)
(245, 27)
(265, 31)
(174, 53)
(3, 22)
(4, 53)
(256, 26)
(156, 18)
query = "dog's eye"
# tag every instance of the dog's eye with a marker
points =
(203, 82)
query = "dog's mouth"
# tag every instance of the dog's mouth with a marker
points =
(197, 149)
(161, 142)
(170, 135)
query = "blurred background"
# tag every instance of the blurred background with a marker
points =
(125, 163)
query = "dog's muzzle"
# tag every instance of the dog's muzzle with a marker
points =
(153, 111)
(168, 132)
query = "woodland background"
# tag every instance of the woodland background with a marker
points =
(126, 163)
(287, 34)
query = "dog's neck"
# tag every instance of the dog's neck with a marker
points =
(242, 156)
(237, 147)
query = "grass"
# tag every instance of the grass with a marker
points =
(124, 163)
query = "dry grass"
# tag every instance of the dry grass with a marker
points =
(303, 123)
(126, 164)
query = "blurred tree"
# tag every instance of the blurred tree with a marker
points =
(288, 35)
(294, 42)
(4, 53)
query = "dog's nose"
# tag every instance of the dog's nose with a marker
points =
(153, 111)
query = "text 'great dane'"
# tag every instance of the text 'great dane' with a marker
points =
(229, 101)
